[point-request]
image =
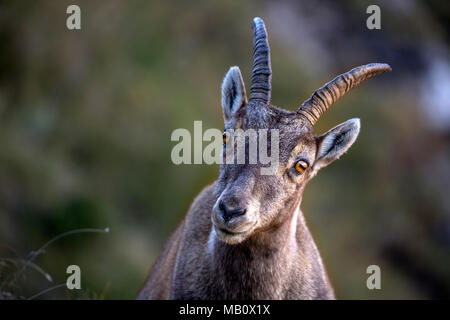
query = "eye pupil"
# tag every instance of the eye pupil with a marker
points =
(225, 137)
(301, 166)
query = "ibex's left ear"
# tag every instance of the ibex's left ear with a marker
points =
(332, 144)
(233, 93)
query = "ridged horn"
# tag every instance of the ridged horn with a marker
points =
(324, 97)
(262, 72)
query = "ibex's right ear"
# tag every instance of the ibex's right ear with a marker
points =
(233, 93)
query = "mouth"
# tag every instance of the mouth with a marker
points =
(227, 232)
(230, 237)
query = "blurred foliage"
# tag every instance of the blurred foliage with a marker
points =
(86, 118)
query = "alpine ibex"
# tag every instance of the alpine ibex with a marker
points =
(244, 236)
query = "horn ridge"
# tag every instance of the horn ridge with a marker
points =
(261, 71)
(332, 91)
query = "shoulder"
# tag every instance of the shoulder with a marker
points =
(198, 218)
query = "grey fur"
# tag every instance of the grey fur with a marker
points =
(265, 251)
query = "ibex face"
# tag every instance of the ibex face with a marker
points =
(249, 203)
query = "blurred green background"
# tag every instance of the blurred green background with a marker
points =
(86, 118)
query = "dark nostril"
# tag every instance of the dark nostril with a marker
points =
(222, 207)
(228, 214)
(237, 212)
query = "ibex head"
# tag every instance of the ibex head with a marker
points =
(249, 203)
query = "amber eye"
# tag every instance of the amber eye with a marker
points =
(225, 137)
(301, 166)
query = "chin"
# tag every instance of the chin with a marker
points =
(230, 237)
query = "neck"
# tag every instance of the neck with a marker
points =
(259, 267)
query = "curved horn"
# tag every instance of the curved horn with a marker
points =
(262, 72)
(324, 97)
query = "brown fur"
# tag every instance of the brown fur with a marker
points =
(185, 269)
(244, 236)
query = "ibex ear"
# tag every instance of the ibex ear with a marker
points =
(332, 144)
(233, 93)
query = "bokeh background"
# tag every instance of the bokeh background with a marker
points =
(86, 118)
